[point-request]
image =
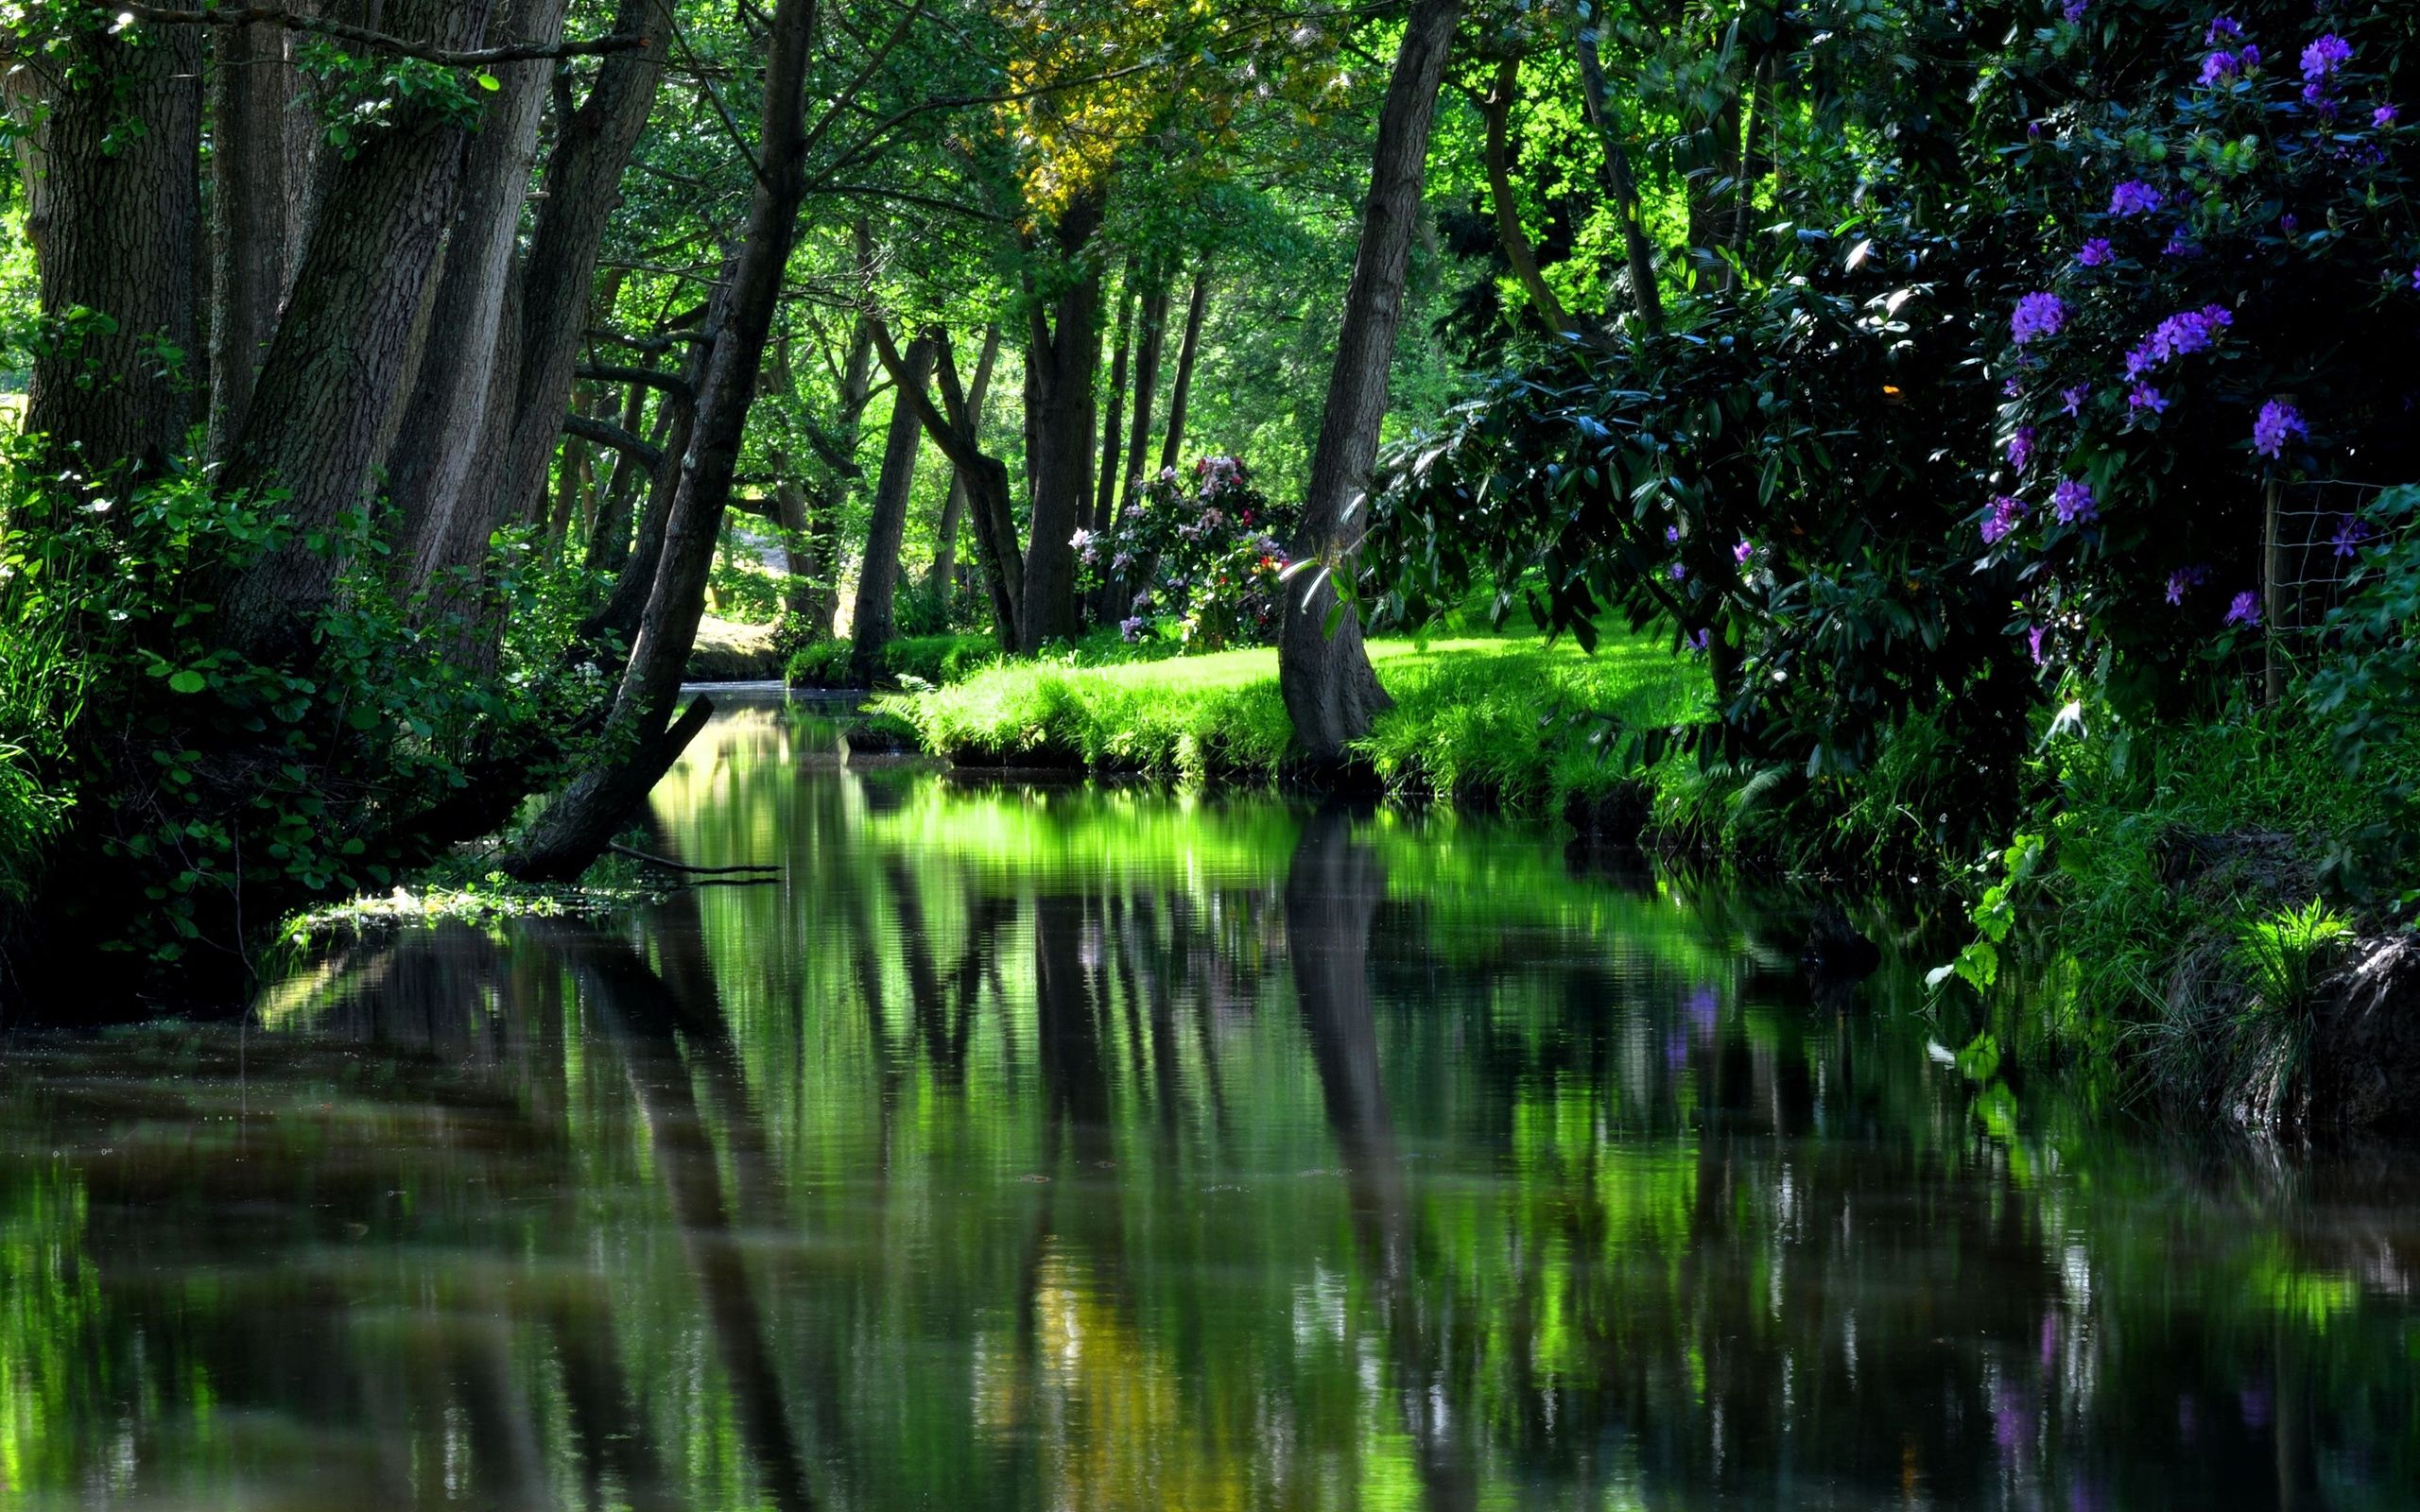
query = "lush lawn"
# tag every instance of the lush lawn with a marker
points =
(1499, 719)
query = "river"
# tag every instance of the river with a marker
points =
(1053, 1146)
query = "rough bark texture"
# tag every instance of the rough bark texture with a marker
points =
(1496, 109)
(1330, 691)
(942, 583)
(344, 349)
(111, 214)
(449, 399)
(1152, 342)
(628, 603)
(953, 426)
(1181, 392)
(1112, 425)
(1062, 362)
(1619, 186)
(608, 542)
(250, 87)
(876, 617)
(577, 827)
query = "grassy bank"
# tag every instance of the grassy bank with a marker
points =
(1476, 719)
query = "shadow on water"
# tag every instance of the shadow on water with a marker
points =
(1057, 1147)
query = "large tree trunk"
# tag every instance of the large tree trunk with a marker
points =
(1180, 393)
(111, 210)
(1329, 688)
(942, 583)
(1062, 366)
(583, 181)
(1616, 170)
(876, 617)
(344, 349)
(449, 400)
(250, 88)
(953, 427)
(641, 739)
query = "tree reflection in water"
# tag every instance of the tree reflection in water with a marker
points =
(1040, 1147)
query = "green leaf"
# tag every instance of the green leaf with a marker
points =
(187, 680)
(490, 82)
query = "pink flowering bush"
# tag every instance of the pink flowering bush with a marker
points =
(1194, 556)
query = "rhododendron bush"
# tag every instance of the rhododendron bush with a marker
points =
(1194, 556)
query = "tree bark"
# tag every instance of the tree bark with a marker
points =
(1147, 381)
(344, 349)
(608, 542)
(1180, 393)
(1619, 186)
(449, 399)
(1497, 109)
(875, 616)
(1330, 691)
(641, 742)
(942, 583)
(627, 605)
(111, 210)
(952, 425)
(250, 88)
(1112, 425)
(1062, 360)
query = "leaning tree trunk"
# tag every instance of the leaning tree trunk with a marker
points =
(941, 582)
(641, 740)
(344, 349)
(627, 605)
(1180, 393)
(1620, 185)
(1060, 364)
(250, 88)
(112, 209)
(449, 401)
(876, 617)
(1329, 688)
(953, 427)
(1495, 108)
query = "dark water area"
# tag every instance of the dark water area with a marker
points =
(1030, 1147)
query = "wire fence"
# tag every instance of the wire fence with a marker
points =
(2320, 533)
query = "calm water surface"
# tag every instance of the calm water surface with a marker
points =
(1045, 1148)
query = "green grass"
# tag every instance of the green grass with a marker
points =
(925, 658)
(1478, 718)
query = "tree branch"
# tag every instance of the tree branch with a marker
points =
(363, 36)
(665, 382)
(605, 433)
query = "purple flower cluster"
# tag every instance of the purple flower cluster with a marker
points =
(2278, 423)
(2384, 117)
(2073, 503)
(2350, 533)
(1676, 572)
(2020, 448)
(2143, 396)
(2222, 28)
(2325, 56)
(2134, 198)
(2006, 511)
(2096, 254)
(2180, 334)
(2073, 11)
(2184, 580)
(2244, 610)
(1131, 629)
(2223, 67)
(2036, 314)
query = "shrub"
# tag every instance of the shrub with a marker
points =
(1201, 560)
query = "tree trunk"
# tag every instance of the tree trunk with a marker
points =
(1146, 383)
(1497, 109)
(250, 88)
(608, 542)
(627, 605)
(1180, 394)
(1112, 425)
(1062, 366)
(953, 427)
(641, 740)
(110, 211)
(1330, 691)
(344, 349)
(1620, 185)
(449, 399)
(942, 583)
(876, 617)
(798, 551)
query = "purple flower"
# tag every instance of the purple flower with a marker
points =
(2037, 314)
(1741, 551)
(2095, 252)
(2013, 389)
(2180, 334)
(1131, 629)
(2278, 423)
(2290, 223)
(2221, 68)
(2143, 396)
(2006, 511)
(2315, 96)
(2222, 28)
(2033, 643)
(2178, 246)
(2072, 399)
(2349, 535)
(2415, 279)
(2184, 580)
(2248, 58)
(2245, 610)
(1676, 572)
(2134, 198)
(2384, 117)
(2073, 11)
(2325, 56)
(1700, 640)
(2072, 501)
(2020, 448)
(1671, 535)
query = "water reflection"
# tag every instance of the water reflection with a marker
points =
(1051, 1147)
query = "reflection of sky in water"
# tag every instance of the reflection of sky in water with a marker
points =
(1038, 1146)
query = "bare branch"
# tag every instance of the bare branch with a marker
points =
(363, 36)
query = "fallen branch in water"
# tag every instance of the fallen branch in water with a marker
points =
(669, 865)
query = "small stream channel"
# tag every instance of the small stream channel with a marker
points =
(1063, 1146)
